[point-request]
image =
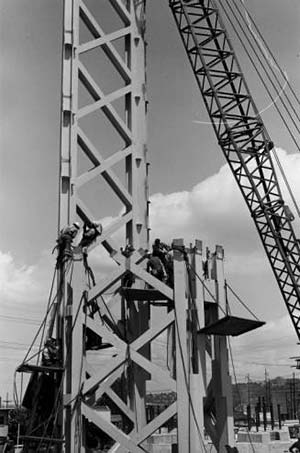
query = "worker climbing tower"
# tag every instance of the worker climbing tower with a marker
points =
(102, 324)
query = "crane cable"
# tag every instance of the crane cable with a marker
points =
(56, 406)
(265, 52)
(50, 305)
(248, 25)
(55, 409)
(274, 102)
(269, 51)
(190, 268)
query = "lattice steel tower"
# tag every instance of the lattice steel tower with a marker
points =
(121, 108)
(125, 309)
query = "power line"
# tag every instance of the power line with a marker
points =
(13, 345)
(20, 319)
(263, 363)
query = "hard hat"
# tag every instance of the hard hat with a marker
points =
(99, 227)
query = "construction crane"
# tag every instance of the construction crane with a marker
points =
(67, 387)
(243, 138)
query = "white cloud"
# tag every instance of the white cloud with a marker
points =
(16, 282)
(213, 211)
(24, 285)
(291, 165)
(24, 295)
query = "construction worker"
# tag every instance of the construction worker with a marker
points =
(169, 268)
(51, 353)
(160, 250)
(64, 241)
(69, 231)
(162, 257)
(155, 267)
(90, 233)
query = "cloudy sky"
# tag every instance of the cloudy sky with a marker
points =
(192, 191)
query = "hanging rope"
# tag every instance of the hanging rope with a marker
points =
(47, 310)
(57, 407)
(229, 345)
(267, 69)
(269, 50)
(240, 300)
(50, 306)
(190, 268)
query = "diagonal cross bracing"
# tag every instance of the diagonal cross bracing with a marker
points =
(115, 157)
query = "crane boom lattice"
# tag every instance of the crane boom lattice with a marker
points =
(243, 138)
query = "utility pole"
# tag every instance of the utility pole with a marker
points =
(267, 389)
(248, 389)
(294, 396)
(6, 401)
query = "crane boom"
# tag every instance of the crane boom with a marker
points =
(243, 138)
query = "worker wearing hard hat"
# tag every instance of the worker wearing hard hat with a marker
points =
(64, 241)
(90, 233)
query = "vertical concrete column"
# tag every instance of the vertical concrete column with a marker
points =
(75, 353)
(67, 173)
(220, 365)
(198, 375)
(136, 168)
(181, 341)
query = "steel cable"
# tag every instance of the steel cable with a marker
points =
(269, 51)
(243, 29)
(270, 95)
